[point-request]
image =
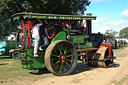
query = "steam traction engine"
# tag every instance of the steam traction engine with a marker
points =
(70, 41)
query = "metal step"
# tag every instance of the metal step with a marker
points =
(26, 61)
(36, 56)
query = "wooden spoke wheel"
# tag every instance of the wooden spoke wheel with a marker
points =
(61, 57)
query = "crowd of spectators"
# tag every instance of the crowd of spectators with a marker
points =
(115, 43)
(121, 43)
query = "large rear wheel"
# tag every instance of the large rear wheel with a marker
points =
(61, 57)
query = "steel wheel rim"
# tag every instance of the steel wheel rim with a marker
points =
(62, 57)
(108, 62)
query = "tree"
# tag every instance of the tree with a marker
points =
(9, 7)
(124, 33)
(111, 33)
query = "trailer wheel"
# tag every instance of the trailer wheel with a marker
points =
(16, 55)
(61, 57)
(21, 39)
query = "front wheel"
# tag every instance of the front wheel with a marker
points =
(61, 57)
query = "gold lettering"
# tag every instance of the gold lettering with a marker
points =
(49, 17)
(55, 17)
(83, 18)
(34, 16)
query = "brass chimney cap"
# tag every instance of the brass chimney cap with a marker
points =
(89, 14)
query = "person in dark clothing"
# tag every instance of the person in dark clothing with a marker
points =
(115, 44)
(44, 35)
(121, 43)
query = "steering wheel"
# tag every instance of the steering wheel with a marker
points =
(21, 39)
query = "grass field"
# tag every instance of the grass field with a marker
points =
(11, 70)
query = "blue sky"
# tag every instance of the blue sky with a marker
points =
(111, 14)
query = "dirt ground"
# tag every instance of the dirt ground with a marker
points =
(85, 75)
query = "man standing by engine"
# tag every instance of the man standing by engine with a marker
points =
(35, 35)
(44, 35)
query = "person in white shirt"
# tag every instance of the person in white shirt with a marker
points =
(35, 35)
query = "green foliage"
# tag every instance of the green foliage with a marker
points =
(124, 33)
(9, 7)
(11, 72)
(111, 33)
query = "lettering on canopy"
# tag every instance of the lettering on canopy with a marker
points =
(63, 17)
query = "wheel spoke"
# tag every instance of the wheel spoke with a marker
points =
(69, 60)
(59, 49)
(61, 46)
(53, 59)
(55, 55)
(67, 64)
(60, 68)
(55, 51)
(67, 51)
(69, 55)
(64, 68)
(56, 63)
(56, 67)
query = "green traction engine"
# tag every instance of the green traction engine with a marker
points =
(69, 41)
